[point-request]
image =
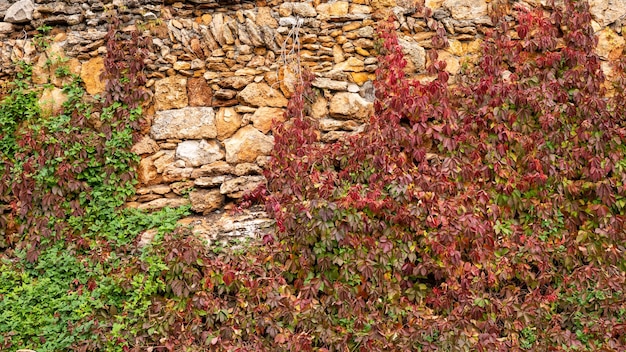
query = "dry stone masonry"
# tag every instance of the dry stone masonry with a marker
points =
(220, 72)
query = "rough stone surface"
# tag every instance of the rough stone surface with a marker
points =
(146, 145)
(319, 109)
(228, 229)
(187, 123)
(6, 27)
(164, 202)
(415, 53)
(90, 73)
(263, 117)
(606, 12)
(20, 12)
(51, 101)
(196, 153)
(327, 83)
(261, 94)
(346, 105)
(216, 168)
(198, 92)
(237, 187)
(171, 93)
(228, 122)
(468, 10)
(247, 144)
(352, 64)
(610, 44)
(205, 201)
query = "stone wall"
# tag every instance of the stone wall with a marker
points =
(221, 71)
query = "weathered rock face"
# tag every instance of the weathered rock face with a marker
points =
(196, 153)
(186, 123)
(610, 44)
(237, 187)
(90, 73)
(205, 201)
(20, 12)
(606, 12)
(145, 146)
(51, 101)
(246, 145)
(263, 118)
(171, 93)
(261, 94)
(228, 122)
(350, 105)
(468, 10)
(198, 92)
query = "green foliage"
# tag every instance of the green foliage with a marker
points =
(487, 216)
(66, 242)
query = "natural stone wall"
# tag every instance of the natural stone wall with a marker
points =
(221, 71)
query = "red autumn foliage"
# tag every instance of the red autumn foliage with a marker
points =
(485, 216)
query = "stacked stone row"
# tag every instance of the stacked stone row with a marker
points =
(220, 72)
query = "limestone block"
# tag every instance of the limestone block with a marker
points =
(361, 9)
(246, 145)
(206, 201)
(319, 108)
(156, 189)
(352, 64)
(145, 146)
(264, 17)
(261, 94)
(339, 8)
(237, 187)
(6, 27)
(302, 9)
(378, 4)
(433, 4)
(170, 93)
(468, 10)
(20, 12)
(610, 44)
(198, 92)
(350, 106)
(90, 73)
(414, 52)
(163, 159)
(606, 12)
(177, 172)
(263, 117)
(146, 171)
(211, 181)
(196, 153)
(247, 169)
(228, 122)
(216, 168)
(327, 83)
(288, 78)
(187, 123)
(164, 202)
(51, 101)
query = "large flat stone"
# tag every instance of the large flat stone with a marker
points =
(170, 93)
(246, 145)
(196, 153)
(187, 123)
(261, 94)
